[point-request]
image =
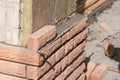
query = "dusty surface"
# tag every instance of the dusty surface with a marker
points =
(94, 47)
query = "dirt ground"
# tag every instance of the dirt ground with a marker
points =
(94, 47)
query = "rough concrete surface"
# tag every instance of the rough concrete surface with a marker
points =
(9, 21)
(94, 47)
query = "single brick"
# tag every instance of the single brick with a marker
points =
(69, 46)
(81, 77)
(21, 55)
(39, 38)
(65, 37)
(51, 60)
(109, 48)
(99, 72)
(60, 77)
(32, 72)
(12, 68)
(77, 51)
(36, 72)
(52, 73)
(90, 69)
(52, 47)
(8, 77)
(78, 28)
(49, 76)
(105, 27)
(79, 60)
(42, 70)
(77, 72)
(60, 53)
(77, 39)
(80, 37)
(64, 62)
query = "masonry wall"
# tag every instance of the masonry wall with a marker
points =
(61, 57)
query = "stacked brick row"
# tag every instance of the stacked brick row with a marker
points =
(63, 59)
(96, 71)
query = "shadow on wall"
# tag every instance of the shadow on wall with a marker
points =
(117, 57)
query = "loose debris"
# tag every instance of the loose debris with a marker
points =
(105, 27)
(109, 48)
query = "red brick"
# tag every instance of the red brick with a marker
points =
(12, 68)
(39, 38)
(49, 76)
(109, 48)
(77, 51)
(99, 72)
(60, 53)
(8, 77)
(57, 69)
(36, 72)
(52, 60)
(80, 37)
(64, 62)
(72, 66)
(78, 28)
(44, 69)
(90, 69)
(60, 77)
(71, 56)
(32, 72)
(51, 33)
(52, 73)
(20, 55)
(65, 37)
(69, 46)
(47, 65)
(61, 65)
(81, 77)
(79, 60)
(52, 47)
(105, 27)
(77, 72)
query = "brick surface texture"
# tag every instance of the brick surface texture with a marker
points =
(64, 58)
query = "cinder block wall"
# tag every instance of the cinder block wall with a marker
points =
(60, 57)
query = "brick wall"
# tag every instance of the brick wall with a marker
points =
(60, 57)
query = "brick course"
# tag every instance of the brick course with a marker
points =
(63, 55)
(20, 55)
(12, 68)
(39, 38)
